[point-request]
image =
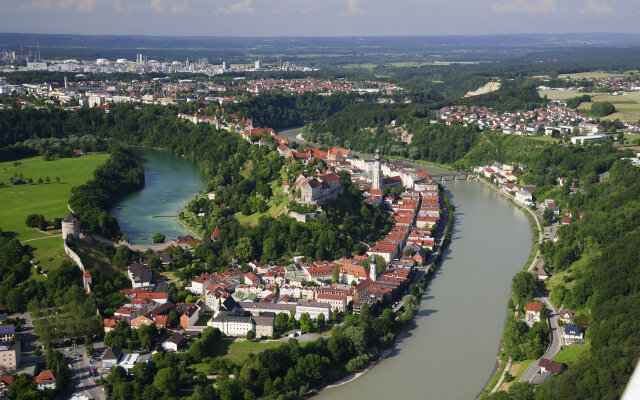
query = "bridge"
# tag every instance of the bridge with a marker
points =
(455, 176)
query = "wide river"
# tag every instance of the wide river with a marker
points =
(171, 183)
(451, 352)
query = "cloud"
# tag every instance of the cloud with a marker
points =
(600, 7)
(277, 11)
(35, 5)
(80, 5)
(525, 7)
(157, 6)
(241, 7)
(180, 7)
(353, 8)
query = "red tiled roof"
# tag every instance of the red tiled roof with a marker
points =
(534, 306)
(45, 376)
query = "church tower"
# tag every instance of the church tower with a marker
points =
(376, 174)
(373, 273)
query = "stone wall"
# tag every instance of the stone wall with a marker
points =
(75, 257)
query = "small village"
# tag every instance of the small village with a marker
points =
(553, 120)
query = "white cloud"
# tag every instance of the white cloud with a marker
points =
(241, 7)
(35, 5)
(80, 5)
(157, 6)
(600, 7)
(353, 8)
(180, 7)
(525, 7)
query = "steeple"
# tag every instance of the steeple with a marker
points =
(376, 173)
(373, 273)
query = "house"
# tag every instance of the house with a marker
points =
(232, 325)
(110, 357)
(336, 301)
(141, 320)
(251, 278)
(6, 333)
(547, 365)
(524, 197)
(543, 275)
(9, 357)
(139, 275)
(572, 333)
(110, 323)
(165, 259)
(173, 342)
(264, 324)
(45, 380)
(162, 321)
(533, 312)
(566, 315)
(313, 309)
(190, 316)
(5, 382)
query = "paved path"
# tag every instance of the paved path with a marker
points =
(40, 238)
(554, 346)
(506, 369)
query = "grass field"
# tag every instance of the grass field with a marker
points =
(593, 74)
(49, 199)
(628, 106)
(239, 351)
(570, 354)
(559, 94)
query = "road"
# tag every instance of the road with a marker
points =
(554, 346)
(28, 336)
(81, 381)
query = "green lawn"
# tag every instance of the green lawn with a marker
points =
(593, 74)
(569, 354)
(239, 351)
(93, 258)
(49, 199)
(560, 94)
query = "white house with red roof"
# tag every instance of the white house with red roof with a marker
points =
(45, 380)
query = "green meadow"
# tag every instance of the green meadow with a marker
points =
(49, 199)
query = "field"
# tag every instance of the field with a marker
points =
(570, 354)
(49, 199)
(559, 94)
(628, 106)
(236, 351)
(593, 74)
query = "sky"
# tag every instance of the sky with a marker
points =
(318, 17)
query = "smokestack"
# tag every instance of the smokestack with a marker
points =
(21, 50)
(39, 51)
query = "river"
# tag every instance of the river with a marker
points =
(170, 183)
(451, 352)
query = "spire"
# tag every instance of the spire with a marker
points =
(373, 273)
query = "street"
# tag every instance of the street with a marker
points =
(554, 346)
(81, 378)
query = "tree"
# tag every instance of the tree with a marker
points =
(305, 323)
(320, 321)
(167, 380)
(245, 250)
(158, 238)
(154, 263)
(336, 274)
(548, 215)
(281, 321)
(523, 285)
(251, 335)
